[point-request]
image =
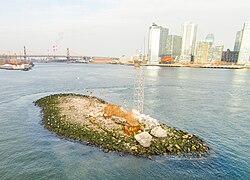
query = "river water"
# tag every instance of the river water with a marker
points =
(212, 103)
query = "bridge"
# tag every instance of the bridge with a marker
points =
(44, 56)
(68, 57)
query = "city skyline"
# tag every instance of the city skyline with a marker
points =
(111, 28)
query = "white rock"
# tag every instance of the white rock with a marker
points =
(144, 139)
(158, 132)
(149, 122)
(134, 111)
(118, 119)
(99, 114)
(142, 116)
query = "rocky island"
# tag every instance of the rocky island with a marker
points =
(112, 128)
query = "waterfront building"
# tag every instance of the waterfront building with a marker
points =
(173, 47)
(244, 54)
(157, 43)
(189, 31)
(2, 61)
(238, 40)
(202, 51)
(230, 56)
(215, 53)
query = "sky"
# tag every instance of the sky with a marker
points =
(111, 27)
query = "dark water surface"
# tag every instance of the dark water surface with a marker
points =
(212, 103)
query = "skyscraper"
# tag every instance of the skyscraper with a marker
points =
(156, 43)
(244, 55)
(202, 52)
(215, 53)
(189, 31)
(238, 40)
(173, 47)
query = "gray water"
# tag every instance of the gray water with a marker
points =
(212, 103)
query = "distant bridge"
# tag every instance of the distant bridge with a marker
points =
(44, 56)
(25, 56)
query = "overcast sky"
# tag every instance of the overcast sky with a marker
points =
(111, 27)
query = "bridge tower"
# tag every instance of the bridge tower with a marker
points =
(68, 55)
(139, 83)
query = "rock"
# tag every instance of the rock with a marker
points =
(148, 122)
(133, 148)
(99, 114)
(170, 149)
(177, 146)
(193, 148)
(158, 132)
(126, 145)
(105, 150)
(135, 112)
(92, 114)
(144, 139)
(185, 136)
(118, 120)
(130, 130)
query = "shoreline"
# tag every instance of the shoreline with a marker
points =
(202, 66)
(67, 116)
(211, 66)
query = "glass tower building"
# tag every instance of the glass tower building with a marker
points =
(238, 40)
(189, 31)
(174, 46)
(157, 42)
(244, 55)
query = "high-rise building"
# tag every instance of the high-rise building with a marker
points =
(238, 40)
(173, 47)
(189, 31)
(244, 55)
(202, 52)
(156, 43)
(215, 53)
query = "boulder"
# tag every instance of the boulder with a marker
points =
(118, 120)
(144, 139)
(148, 122)
(158, 132)
(185, 136)
(135, 112)
(130, 130)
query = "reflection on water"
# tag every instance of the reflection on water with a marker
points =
(236, 91)
(151, 71)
